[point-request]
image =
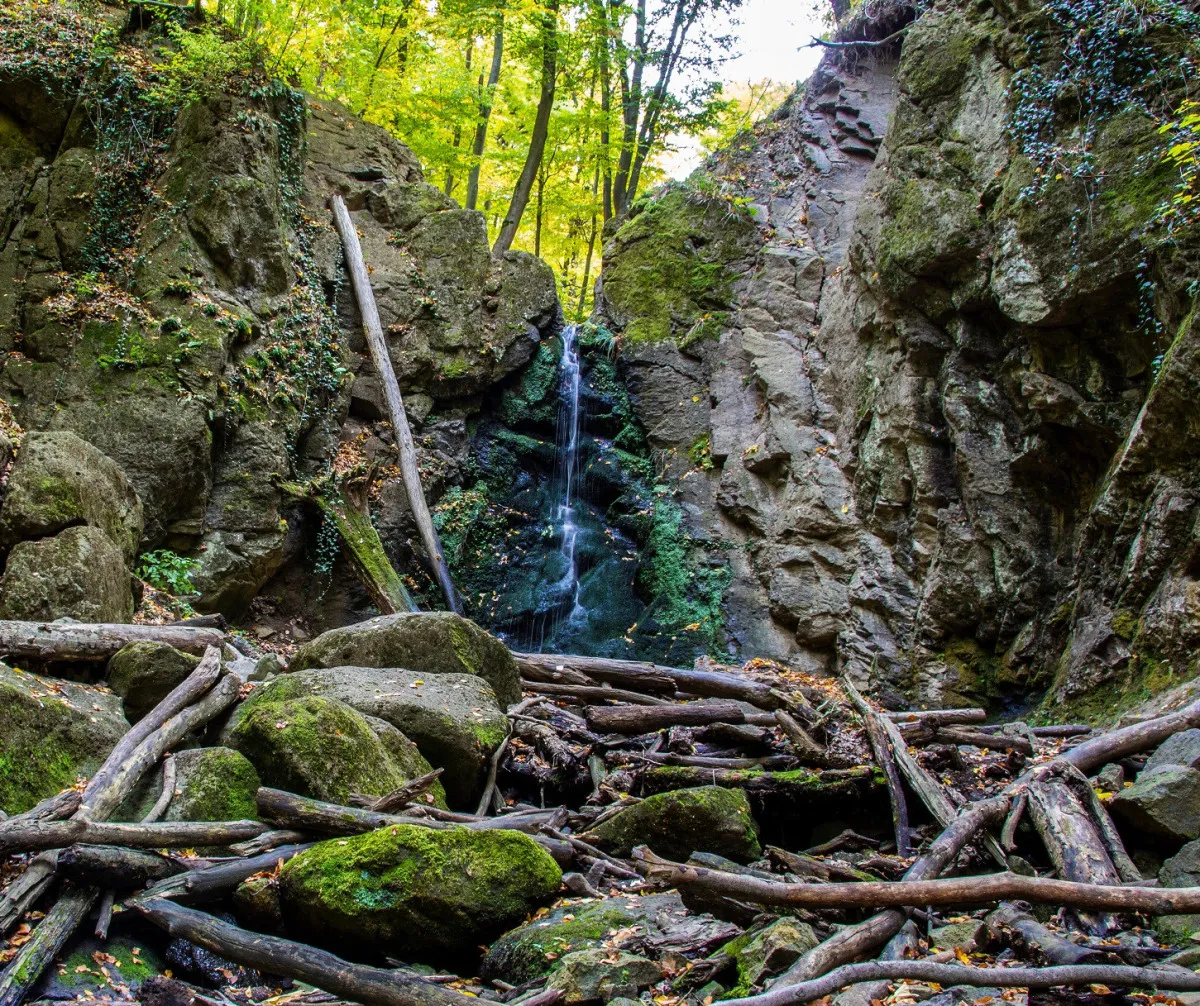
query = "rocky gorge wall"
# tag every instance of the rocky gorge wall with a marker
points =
(921, 350)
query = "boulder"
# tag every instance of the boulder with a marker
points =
(213, 784)
(598, 976)
(1164, 805)
(1182, 748)
(79, 573)
(957, 935)
(144, 673)
(454, 719)
(256, 902)
(85, 974)
(318, 747)
(769, 951)
(416, 893)
(677, 823)
(60, 480)
(433, 642)
(53, 732)
(1181, 870)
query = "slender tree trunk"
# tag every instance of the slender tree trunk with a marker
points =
(605, 113)
(541, 129)
(630, 113)
(537, 216)
(587, 263)
(486, 98)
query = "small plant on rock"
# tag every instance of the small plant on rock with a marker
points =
(167, 570)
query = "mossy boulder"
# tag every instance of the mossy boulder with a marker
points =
(454, 719)
(79, 573)
(60, 480)
(416, 893)
(213, 784)
(1181, 870)
(538, 947)
(145, 672)
(53, 732)
(100, 970)
(435, 642)
(1163, 805)
(597, 976)
(759, 955)
(677, 823)
(316, 747)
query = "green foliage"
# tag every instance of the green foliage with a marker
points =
(206, 61)
(167, 571)
(1184, 155)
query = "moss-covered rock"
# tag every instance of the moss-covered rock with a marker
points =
(759, 955)
(316, 747)
(683, 821)
(453, 719)
(213, 784)
(79, 573)
(54, 732)
(1181, 870)
(143, 673)
(416, 893)
(436, 642)
(598, 976)
(60, 480)
(104, 970)
(256, 902)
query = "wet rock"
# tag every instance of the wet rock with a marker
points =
(677, 823)
(213, 784)
(60, 480)
(144, 673)
(421, 894)
(79, 573)
(453, 719)
(54, 732)
(956, 935)
(1164, 805)
(597, 976)
(318, 747)
(436, 642)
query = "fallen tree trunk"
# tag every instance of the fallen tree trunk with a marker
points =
(996, 741)
(973, 890)
(373, 331)
(1020, 930)
(401, 796)
(116, 867)
(1116, 744)
(806, 748)
(166, 795)
(882, 745)
(53, 808)
(24, 970)
(45, 641)
(21, 895)
(216, 880)
(643, 719)
(160, 834)
(1120, 975)
(930, 718)
(592, 693)
(355, 982)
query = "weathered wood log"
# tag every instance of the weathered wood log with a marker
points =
(1126, 869)
(1116, 744)
(1016, 927)
(167, 794)
(930, 718)
(104, 914)
(975, 890)
(214, 881)
(399, 797)
(114, 780)
(770, 763)
(592, 693)
(646, 677)
(854, 941)
(643, 719)
(115, 867)
(355, 982)
(373, 330)
(996, 741)
(806, 748)
(809, 866)
(58, 834)
(53, 808)
(1008, 834)
(269, 840)
(1119, 975)
(45, 641)
(48, 936)
(21, 895)
(882, 745)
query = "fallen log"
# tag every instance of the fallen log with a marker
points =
(399, 797)
(930, 718)
(58, 834)
(24, 970)
(53, 808)
(46, 641)
(1119, 975)
(373, 330)
(1014, 926)
(167, 793)
(114, 866)
(996, 741)
(882, 745)
(770, 763)
(1116, 744)
(644, 719)
(269, 840)
(355, 982)
(974, 890)
(24, 892)
(592, 693)
(216, 880)
(806, 748)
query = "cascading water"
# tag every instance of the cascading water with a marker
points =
(567, 439)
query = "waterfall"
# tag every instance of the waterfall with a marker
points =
(567, 438)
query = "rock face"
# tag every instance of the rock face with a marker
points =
(452, 718)
(79, 573)
(437, 642)
(407, 890)
(941, 401)
(678, 823)
(54, 733)
(144, 673)
(189, 315)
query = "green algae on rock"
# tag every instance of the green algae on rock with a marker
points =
(54, 732)
(677, 823)
(415, 892)
(213, 784)
(766, 952)
(143, 673)
(435, 642)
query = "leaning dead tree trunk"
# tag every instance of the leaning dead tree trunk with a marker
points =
(395, 404)
(96, 641)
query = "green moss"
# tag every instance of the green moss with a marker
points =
(437, 892)
(927, 226)
(938, 56)
(79, 970)
(363, 542)
(537, 948)
(534, 396)
(220, 785)
(677, 823)
(1126, 623)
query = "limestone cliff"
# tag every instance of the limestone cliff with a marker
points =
(922, 347)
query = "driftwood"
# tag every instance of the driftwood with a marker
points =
(1122, 976)
(268, 840)
(975, 738)
(931, 718)
(373, 330)
(114, 866)
(399, 797)
(1015, 926)
(167, 794)
(882, 745)
(54, 808)
(355, 982)
(160, 834)
(45, 641)
(21, 895)
(643, 719)
(592, 693)
(1116, 744)
(216, 880)
(31, 959)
